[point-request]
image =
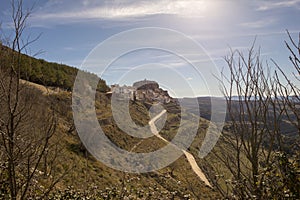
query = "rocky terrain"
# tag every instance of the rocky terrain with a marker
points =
(145, 90)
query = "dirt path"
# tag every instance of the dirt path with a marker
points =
(189, 156)
(196, 168)
(136, 145)
(43, 89)
(153, 127)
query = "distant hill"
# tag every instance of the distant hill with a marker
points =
(289, 131)
(46, 73)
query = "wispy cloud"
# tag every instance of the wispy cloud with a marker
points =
(119, 10)
(269, 5)
(259, 23)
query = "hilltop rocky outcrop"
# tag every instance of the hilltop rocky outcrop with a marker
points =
(146, 85)
(145, 90)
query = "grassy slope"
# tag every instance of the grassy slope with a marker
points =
(84, 172)
(176, 180)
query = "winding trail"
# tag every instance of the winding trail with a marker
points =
(189, 156)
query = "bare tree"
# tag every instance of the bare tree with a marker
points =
(289, 91)
(258, 102)
(27, 122)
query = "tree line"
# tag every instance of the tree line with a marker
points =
(45, 73)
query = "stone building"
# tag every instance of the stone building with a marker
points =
(144, 90)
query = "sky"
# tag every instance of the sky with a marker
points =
(179, 43)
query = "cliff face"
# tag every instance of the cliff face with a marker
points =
(146, 85)
(149, 91)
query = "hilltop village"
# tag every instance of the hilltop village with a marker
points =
(145, 90)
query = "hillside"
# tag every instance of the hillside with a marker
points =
(65, 169)
(176, 181)
(45, 73)
(287, 121)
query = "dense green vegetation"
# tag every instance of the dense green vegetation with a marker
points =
(45, 73)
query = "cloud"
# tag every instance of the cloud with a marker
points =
(259, 24)
(269, 5)
(117, 10)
